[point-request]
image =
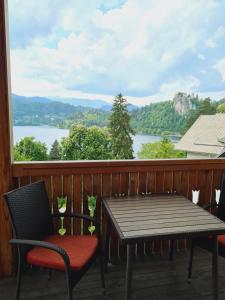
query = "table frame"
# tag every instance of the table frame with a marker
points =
(130, 243)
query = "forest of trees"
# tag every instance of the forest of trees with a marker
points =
(162, 149)
(156, 118)
(86, 143)
(97, 134)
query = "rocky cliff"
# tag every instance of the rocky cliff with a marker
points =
(182, 103)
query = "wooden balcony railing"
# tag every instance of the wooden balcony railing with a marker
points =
(77, 180)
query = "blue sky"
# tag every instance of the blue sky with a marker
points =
(146, 49)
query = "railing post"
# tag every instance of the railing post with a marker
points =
(5, 148)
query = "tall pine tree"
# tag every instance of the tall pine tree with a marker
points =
(55, 152)
(120, 129)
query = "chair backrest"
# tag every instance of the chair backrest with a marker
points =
(221, 206)
(30, 211)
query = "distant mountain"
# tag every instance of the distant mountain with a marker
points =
(83, 102)
(40, 111)
(96, 104)
(36, 99)
(99, 104)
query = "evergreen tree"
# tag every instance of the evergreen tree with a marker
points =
(55, 152)
(120, 129)
(205, 107)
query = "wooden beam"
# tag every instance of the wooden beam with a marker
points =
(5, 149)
(113, 166)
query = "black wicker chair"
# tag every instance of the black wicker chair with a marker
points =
(36, 243)
(207, 242)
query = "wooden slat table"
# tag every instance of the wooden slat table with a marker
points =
(140, 218)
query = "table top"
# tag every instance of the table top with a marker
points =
(161, 217)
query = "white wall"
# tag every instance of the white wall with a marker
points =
(200, 155)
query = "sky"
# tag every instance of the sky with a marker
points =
(148, 50)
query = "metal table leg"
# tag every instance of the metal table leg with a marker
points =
(108, 229)
(215, 268)
(129, 271)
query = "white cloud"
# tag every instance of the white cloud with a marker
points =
(220, 67)
(210, 43)
(133, 47)
(187, 84)
(201, 56)
(218, 37)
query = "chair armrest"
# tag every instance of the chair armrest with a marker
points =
(79, 216)
(209, 205)
(43, 244)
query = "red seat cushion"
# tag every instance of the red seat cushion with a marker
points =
(79, 249)
(221, 240)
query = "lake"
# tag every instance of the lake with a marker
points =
(48, 135)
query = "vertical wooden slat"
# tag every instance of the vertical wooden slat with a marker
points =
(184, 190)
(15, 182)
(97, 192)
(177, 175)
(77, 202)
(106, 192)
(151, 182)
(168, 182)
(143, 182)
(35, 179)
(216, 184)
(204, 184)
(160, 178)
(134, 184)
(217, 176)
(68, 191)
(124, 183)
(57, 192)
(192, 183)
(106, 185)
(49, 189)
(116, 184)
(24, 180)
(87, 191)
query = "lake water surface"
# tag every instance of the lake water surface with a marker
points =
(48, 135)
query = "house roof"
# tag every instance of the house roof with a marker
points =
(206, 135)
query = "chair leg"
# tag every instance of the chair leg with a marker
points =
(69, 285)
(191, 260)
(19, 275)
(171, 250)
(101, 261)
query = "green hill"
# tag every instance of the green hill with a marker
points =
(171, 117)
(88, 117)
(27, 111)
(157, 118)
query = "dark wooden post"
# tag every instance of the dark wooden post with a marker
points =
(5, 149)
